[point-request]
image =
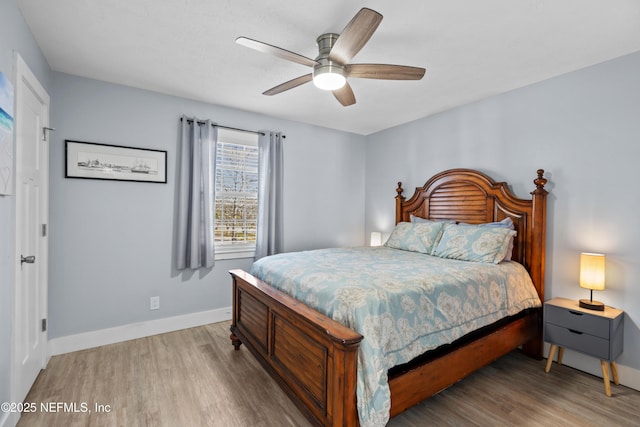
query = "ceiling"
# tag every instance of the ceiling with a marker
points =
(471, 49)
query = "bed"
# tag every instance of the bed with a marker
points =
(315, 358)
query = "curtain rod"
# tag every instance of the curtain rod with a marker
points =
(228, 127)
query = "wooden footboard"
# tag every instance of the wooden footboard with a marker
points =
(313, 357)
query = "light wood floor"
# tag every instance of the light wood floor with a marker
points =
(195, 378)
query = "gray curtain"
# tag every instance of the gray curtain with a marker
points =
(269, 239)
(196, 203)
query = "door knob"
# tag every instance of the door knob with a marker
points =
(28, 259)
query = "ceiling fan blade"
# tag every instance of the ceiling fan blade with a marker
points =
(289, 85)
(345, 95)
(355, 35)
(276, 51)
(385, 72)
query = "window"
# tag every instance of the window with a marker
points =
(236, 209)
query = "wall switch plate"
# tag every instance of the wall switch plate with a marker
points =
(154, 303)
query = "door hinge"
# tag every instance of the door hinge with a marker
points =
(44, 325)
(44, 230)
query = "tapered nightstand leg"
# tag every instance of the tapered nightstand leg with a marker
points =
(552, 352)
(560, 355)
(605, 377)
(614, 373)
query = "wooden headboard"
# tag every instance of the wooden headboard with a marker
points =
(469, 196)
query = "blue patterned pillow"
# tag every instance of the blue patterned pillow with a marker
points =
(416, 237)
(474, 243)
(505, 223)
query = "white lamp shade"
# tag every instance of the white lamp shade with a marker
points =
(592, 271)
(376, 238)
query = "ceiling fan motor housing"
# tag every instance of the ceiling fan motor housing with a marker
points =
(326, 68)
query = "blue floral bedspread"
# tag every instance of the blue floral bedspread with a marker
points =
(403, 303)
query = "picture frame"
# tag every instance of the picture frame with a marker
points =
(91, 160)
(6, 135)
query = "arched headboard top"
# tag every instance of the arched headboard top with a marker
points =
(469, 196)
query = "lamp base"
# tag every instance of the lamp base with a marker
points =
(591, 305)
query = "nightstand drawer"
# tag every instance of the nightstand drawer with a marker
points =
(576, 320)
(585, 343)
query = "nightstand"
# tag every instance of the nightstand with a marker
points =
(595, 333)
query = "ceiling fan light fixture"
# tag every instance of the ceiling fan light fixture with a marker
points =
(329, 79)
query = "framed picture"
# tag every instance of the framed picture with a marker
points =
(6, 135)
(115, 162)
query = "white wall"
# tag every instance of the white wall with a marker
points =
(111, 242)
(14, 37)
(583, 128)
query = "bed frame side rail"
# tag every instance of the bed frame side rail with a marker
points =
(445, 370)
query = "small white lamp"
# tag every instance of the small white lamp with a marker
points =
(592, 277)
(376, 238)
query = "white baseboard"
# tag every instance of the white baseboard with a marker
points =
(132, 331)
(629, 377)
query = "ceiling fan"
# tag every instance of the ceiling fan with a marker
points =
(331, 67)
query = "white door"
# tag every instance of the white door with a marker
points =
(31, 256)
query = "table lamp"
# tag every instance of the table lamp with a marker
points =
(376, 238)
(592, 277)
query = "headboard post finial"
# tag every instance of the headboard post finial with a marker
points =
(399, 200)
(400, 190)
(540, 182)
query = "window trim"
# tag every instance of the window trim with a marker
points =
(223, 252)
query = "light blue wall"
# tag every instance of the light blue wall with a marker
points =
(583, 128)
(111, 242)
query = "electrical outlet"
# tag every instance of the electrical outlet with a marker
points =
(154, 303)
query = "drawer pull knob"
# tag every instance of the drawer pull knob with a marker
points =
(575, 332)
(577, 313)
